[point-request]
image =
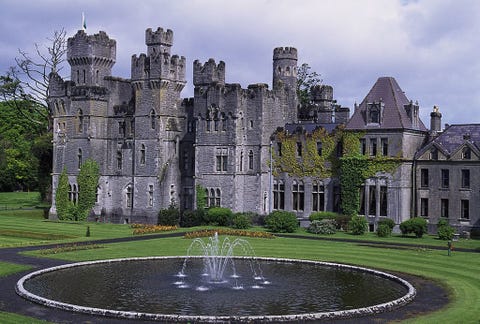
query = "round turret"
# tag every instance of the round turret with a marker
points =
(285, 68)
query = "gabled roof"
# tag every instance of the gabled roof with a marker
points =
(454, 137)
(386, 90)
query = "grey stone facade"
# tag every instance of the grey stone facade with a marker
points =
(154, 147)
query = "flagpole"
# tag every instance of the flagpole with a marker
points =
(84, 22)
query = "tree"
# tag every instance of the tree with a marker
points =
(306, 79)
(87, 181)
(62, 202)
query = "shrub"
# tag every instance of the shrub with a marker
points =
(169, 217)
(445, 232)
(241, 221)
(322, 226)
(475, 233)
(342, 221)
(281, 222)
(219, 216)
(383, 230)
(416, 225)
(87, 234)
(322, 215)
(387, 221)
(358, 225)
(190, 218)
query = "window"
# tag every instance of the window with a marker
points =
(150, 195)
(383, 201)
(241, 161)
(119, 160)
(318, 196)
(80, 157)
(362, 201)
(299, 148)
(142, 154)
(319, 148)
(444, 208)
(373, 146)
(186, 159)
(466, 178)
(75, 191)
(132, 126)
(213, 197)
(121, 128)
(250, 160)
(298, 195)
(445, 178)
(129, 196)
(224, 122)
(374, 115)
(467, 153)
(465, 209)
(215, 122)
(70, 192)
(221, 159)
(433, 154)
(152, 119)
(424, 207)
(372, 201)
(80, 120)
(384, 144)
(251, 123)
(339, 149)
(424, 180)
(278, 194)
(279, 148)
(363, 146)
(337, 199)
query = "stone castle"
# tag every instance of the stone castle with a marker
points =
(155, 148)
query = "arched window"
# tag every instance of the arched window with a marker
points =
(75, 194)
(152, 119)
(207, 193)
(212, 197)
(150, 195)
(142, 154)
(215, 121)
(224, 122)
(119, 160)
(217, 197)
(250, 160)
(241, 161)
(80, 157)
(80, 120)
(208, 121)
(70, 192)
(129, 196)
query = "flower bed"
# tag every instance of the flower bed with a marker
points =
(140, 229)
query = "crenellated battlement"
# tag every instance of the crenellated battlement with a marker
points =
(322, 93)
(210, 72)
(280, 53)
(89, 46)
(159, 37)
(158, 67)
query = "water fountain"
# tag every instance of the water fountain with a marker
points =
(211, 284)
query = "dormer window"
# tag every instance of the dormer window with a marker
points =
(466, 153)
(374, 112)
(433, 154)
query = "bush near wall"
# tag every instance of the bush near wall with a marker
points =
(358, 225)
(219, 216)
(322, 215)
(322, 226)
(444, 230)
(281, 222)
(416, 225)
(191, 218)
(241, 221)
(169, 216)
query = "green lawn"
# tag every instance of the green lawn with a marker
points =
(7, 268)
(18, 200)
(458, 272)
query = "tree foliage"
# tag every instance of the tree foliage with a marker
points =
(306, 79)
(87, 181)
(63, 204)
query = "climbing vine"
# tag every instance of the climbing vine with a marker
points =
(87, 180)
(350, 166)
(62, 202)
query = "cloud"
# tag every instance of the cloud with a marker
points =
(429, 46)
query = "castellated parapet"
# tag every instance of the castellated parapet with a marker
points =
(285, 68)
(282, 53)
(210, 72)
(98, 46)
(158, 63)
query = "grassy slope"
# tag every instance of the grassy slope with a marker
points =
(459, 272)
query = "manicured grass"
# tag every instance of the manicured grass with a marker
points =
(7, 268)
(458, 272)
(10, 318)
(17, 200)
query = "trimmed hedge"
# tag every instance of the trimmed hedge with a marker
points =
(281, 222)
(358, 225)
(219, 216)
(322, 226)
(416, 225)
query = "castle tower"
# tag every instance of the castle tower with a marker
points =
(91, 57)
(435, 120)
(285, 68)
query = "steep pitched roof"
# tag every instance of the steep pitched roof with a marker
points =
(386, 90)
(454, 137)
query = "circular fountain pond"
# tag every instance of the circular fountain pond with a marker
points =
(155, 288)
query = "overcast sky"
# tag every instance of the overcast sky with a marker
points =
(431, 47)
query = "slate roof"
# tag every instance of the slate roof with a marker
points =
(455, 136)
(387, 90)
(310, 127)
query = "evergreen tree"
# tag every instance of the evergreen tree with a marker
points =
(87, 181)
